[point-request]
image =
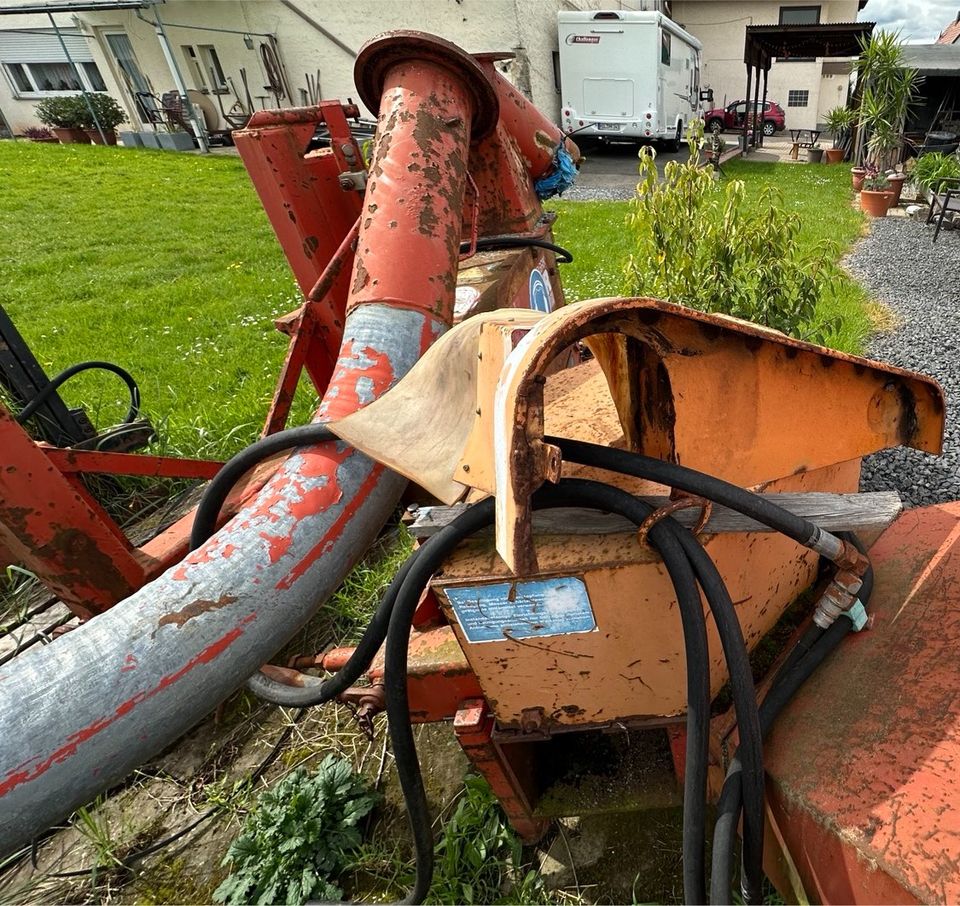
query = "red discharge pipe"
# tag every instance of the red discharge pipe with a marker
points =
(536, 136)
(78, 715)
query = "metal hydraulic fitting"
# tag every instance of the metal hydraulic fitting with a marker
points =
(839, 598)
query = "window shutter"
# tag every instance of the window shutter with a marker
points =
(37, 47)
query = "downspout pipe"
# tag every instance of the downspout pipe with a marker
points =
(78, 715)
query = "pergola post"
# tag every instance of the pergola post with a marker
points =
(745, 138)
(757, 113)
(763, 106)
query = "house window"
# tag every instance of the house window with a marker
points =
(666, 45)
(195, 67)
(211, 65)
(798, 97)
(50, 78)
(799, 15)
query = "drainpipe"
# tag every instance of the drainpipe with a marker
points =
(76, 70)
(198, 125)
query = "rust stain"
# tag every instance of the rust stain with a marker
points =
(194, 609)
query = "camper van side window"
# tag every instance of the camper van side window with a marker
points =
(665, 42)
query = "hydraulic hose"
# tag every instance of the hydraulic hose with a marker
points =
(322, 691)
(432, 555)
(813, 647)
(716, 489)
(217, 491)
(30, 409)
(519, 242)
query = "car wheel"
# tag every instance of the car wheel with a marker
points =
(769, 127)
(715, 126)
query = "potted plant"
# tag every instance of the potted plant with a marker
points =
(39, 134)
(176, 140)
(815, 154)
(109, 114)
(888, 89)
(875, 197)
(896, 178)
(839, 122)
(62, 114)
(858, 174)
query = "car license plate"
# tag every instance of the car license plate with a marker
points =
(608, 127)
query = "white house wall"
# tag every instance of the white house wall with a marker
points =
(720, 24)
(526, 27)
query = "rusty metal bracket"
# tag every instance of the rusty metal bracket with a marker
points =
(681, 503)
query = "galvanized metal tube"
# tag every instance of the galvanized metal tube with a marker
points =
(78, 715)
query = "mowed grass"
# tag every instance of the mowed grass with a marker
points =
(820, 195)
(162, 263)
(166, 264)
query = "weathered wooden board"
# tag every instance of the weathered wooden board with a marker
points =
(833, 512)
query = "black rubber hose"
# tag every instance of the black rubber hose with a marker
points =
(217, 491)
(745, 706)
(51, 388)
(731, 635)
(488, 243)
(811, 650)
(432, 556)
(320, 691)
(716, 489)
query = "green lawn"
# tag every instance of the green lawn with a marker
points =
(167, 265)
(163, 263)
(596, 233)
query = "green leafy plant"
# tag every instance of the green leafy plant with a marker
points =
(296, 843)
(931, 171)
(108, 111)
(479, 856)
(699, 244)
(888, 90)
(839, 122)
(876, 183)
(61, 111)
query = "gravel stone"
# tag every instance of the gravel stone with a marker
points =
(900, 265)
(600, 193)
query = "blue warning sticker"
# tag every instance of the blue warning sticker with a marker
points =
(523, 609)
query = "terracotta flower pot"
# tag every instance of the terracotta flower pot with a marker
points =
(875, 204)
(71, 136)
(859, 174)
(835, 155)
(108, 134)
(896, 187)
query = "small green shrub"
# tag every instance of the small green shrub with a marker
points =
(108, 111)
(696, 242)
(61, 111)
(479, 856)
(297, 841)
(931, 171)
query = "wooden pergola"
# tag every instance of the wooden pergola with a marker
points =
(765, 43)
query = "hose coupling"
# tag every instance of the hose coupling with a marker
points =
(839, 598)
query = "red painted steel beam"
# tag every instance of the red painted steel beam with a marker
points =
(97, 461)
(48, 527)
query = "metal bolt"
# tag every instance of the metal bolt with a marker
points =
(466, 468)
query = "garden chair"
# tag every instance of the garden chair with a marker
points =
(943, 202)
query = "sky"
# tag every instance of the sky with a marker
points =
(919, 21)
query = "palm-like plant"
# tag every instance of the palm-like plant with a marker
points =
(888, 89)
(839, 122)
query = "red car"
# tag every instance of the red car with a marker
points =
(731, 117)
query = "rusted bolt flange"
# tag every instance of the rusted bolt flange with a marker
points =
(383, 52)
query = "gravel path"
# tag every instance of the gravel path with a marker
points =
(899, 264)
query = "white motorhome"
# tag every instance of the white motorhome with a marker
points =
(628, 75)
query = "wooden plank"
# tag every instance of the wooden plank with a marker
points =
(35, 630)
(832, 512)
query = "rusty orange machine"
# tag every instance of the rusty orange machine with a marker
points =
(619, 501)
